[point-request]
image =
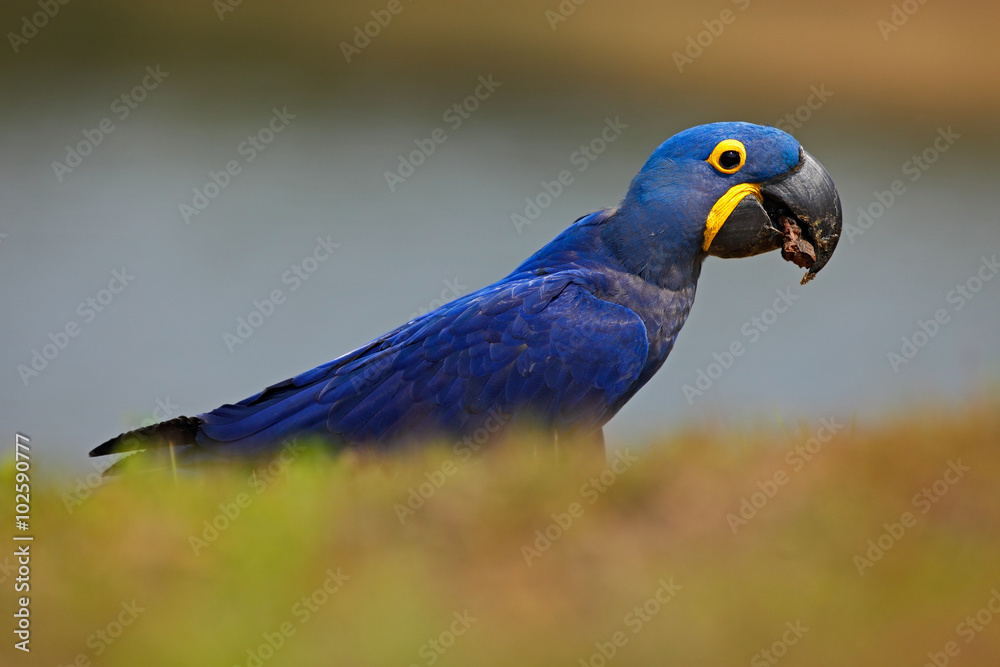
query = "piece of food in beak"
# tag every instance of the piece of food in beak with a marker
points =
(795, 248)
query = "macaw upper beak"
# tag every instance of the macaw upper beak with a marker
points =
(798, 212)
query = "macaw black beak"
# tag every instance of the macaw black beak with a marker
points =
(798, 212)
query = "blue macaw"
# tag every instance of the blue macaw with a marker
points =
(565, 340)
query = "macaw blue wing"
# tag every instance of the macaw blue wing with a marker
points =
(543, 347)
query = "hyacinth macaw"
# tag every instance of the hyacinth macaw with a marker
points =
(565, 340)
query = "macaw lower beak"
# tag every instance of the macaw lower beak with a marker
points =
(798, 212)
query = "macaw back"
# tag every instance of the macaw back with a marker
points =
(560, 344)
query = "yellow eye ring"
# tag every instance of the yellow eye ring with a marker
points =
(722, 155)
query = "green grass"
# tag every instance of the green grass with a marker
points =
(663, 519)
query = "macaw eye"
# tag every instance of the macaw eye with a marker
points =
(729, 156)
(729, 160)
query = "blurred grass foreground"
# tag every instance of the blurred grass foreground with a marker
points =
(825, 543)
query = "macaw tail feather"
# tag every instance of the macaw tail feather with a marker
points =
(177, 432)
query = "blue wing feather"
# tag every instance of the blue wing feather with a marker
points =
(543, 345)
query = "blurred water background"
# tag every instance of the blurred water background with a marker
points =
(879, 96)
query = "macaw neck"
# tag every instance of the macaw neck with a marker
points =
(631, 240)
(647, 241)
(658, 287)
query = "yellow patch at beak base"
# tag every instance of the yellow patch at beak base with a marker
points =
(725, 206)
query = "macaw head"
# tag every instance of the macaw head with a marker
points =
(729, 190)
